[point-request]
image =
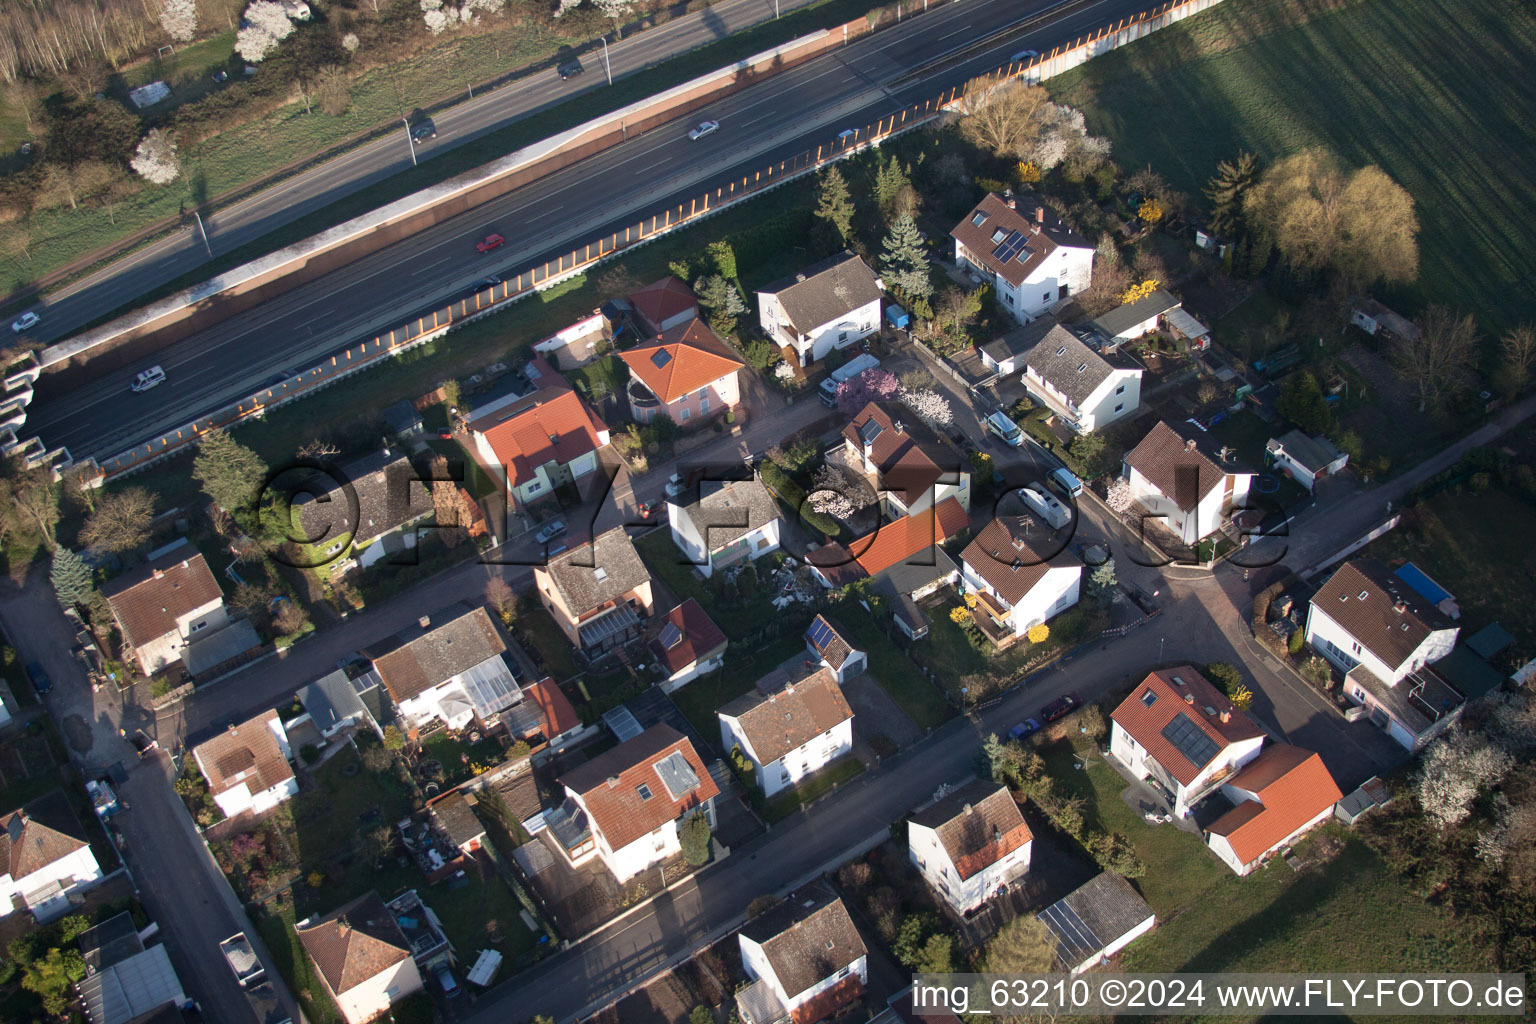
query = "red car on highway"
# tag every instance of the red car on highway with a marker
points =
(490, 242)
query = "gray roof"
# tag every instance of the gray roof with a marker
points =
(113, 941)
(131, 987)
(421, 657)
(388, 491)
(1490, 640)
(207, 651)
(1093, 917)
(593, 574)
(1123, 318)
(807, 938)
(1312, 453)
(1019, 340)
(333, 698)
(731, 509)
(402, 417)
(825, 291)
(455, 819)
(910, 574)
(1068, 365)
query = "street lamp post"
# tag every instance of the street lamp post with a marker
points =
(607, 66)
(1160, 642)
(204, 231)
(408, 140)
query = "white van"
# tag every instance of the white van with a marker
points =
(1006, 430)
(1046, 506)
(152, 377)
(1067, 483)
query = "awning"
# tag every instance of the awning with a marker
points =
(609, 624)
(1180, 320)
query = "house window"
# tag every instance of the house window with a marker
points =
(534, 488)
(703, 405)
(1009, 298)
(1355, 648)
(762, 543)
(1046, 297)
(197, 626)
(1120, 390)
(842, 336)
(1066, 289)
(644, 791)
(686, 413)
(1120, 407)
(783, 775)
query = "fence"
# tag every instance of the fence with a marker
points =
(528, 282)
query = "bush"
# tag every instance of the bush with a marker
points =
(793, 496)
(701, 1015)
(761, 905)
(1226, 677)
(309, 753)
(693, 834)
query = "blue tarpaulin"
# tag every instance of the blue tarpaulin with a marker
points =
(1416, 578)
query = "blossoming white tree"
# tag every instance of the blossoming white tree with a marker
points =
(155, 159)
(930, 406)
(179, 19)
(1455, 771)
(264, 25)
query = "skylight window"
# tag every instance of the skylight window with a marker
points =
(980, 218)
(1081, 367)
(661, 357)
(999, 235)
(1062, 351)
(600, 574)
(1148, 699)
(644, 791)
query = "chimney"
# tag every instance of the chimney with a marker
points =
(1400, 607)
(1039, 217)
(1189, 445)
(1226, 716)
(899, 427)
(424, 621)
(968, 809)
(159, 575)
(1012, 203)
(613, 780)
(1189, 698)
(799, 275)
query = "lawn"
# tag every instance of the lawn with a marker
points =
(1329, 918)
(789, 801)
(700, 699)
(1362, 79)
(536, 628)
(896, 673)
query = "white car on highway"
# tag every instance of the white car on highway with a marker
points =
(152, 377)
(26, 321)
(704, 128)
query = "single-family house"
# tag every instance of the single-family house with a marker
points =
(829, 305)
(578, 344)
(806, 960)
(1386, 636)
(449, 666)
(625, 805)
(1004, 354)
(45, 857)
(1157, 310)
(453, 818)
(1025, 251)
(133, 990)
(971, 844)
(908, 465)
(247, 765)
(334, 702)
(369, 512)
(1095, 921)
(1185, 480)
(1305, 459)
(1020, 577)
(689, 645)
(1279, 795)
(164, 604)
(662, 305)
(538, 442)
(1087, 391)
(789, 733)
(1183, 735)
(361, 957)
(687, 374)
(730, 521)
(826, 647)
(598, 592)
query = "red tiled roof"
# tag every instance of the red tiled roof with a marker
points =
(824, 1004)
(1145, 722)
(1012, 561)
(662, 300)
(701, 637)
(355, 943)
(44, 831)
(910, 460)
(1044, 235)
(681, 361)
(978, 825)
(559, 715)
(1293, 786)
(1182, 463)
(148, 600)
(550, 425)
(609, 785)
(895, 542)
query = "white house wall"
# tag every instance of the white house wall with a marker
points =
(934, 864)
(846, 330)
(77, 869)
(1055, 593)
(364, 1002)
(1339, 646)
(1109, 403)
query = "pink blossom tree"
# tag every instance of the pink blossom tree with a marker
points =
(873, 385)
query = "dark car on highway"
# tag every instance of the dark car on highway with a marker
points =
(40, 681)
(570, 69)
(424, 130)
(1060, 707)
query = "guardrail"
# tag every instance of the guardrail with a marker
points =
(533, 280)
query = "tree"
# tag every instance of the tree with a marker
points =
(890, 182)
(721, 301)
(1454, 771)
(179, 19)
(834, 204)
(1437, 362)
(1227, 191)
(1088, 450)
(1517, 354)
(1360, 224)
(334, 91)
(1302, 402)
(393, 740)
(700, 1015)
(873, 385)
(29, 498)
(71, 578)
(120, 521)
(693, 835)
(1151, 210)
(1038, 633)
(264, 25)
(231, 474)
(1118, 496)
(957, 309)
(500, 596)
(437, 17)
(1023, 946)
(904, 262)
(929, 406)
(724, 258)
(1007, 122)
(1102, 583)
(1226, 676)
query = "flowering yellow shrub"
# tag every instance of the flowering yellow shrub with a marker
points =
(1038, 632)
(958, 615)
(1139, 291)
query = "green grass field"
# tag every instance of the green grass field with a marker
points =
(1437, 92)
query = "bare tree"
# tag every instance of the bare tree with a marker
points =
(334, 91)
(1437, 363)
(1007, 121)
(120, 521)
(500, 595)
(1517, 354)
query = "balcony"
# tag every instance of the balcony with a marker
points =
(640, 396)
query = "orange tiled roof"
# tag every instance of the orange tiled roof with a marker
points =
(550, 425)
(559, 715)
(609, 785)
(978, 825)
(895, 542)
(1293, 786)
(1146, 721)
(662, 300)
(681, 361)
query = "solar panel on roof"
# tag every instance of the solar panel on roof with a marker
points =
(1009, 247)
(661, 357)
(820, 634)
(1188, 739)
(869, 431)
(1077, 939)
(671, 636)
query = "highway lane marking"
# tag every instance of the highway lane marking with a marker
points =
(959, 31)
(429, 266)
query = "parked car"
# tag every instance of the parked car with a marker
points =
(647, 509)
(143, 742)
(423, 131)
(1065, 482)
(25, 322)
(489, 242)
(445, 979)
(1024, 729)
(704, 128)
(487, 282)
(40, 681)
(550, 531)
(570, 69)
(1060, 707)
(150, 378)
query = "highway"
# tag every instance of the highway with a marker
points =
(771, 120)
(163, 261)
